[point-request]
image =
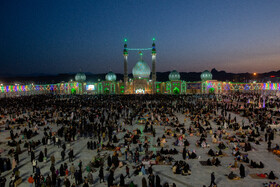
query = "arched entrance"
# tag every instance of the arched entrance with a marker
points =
(106, 90)
(211, 90)
(176, 90)
(140, 91)
(73, 91)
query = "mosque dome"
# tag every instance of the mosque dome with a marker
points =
(174, 76)
(111, 76)
(206, 75)
(141, 70)
(80, 77)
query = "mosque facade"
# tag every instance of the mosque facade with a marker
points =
(144, 81)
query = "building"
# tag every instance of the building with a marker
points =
(143, 82)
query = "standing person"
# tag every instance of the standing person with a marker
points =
(158, 181)
(72, 170)
(101, 174)
(122, 183)
(151, 180)
(80, 165)
(144, 182)
(242, 171)
(46, 152)
(212, 179)
(90, 178)
(184, 153)
(34, 164)
(76, 175)
(127, 171)
(30, 180)
(71, 155)
(62, 155)
(110, 179)
(269, 145)
(53, 159)
(32, 155)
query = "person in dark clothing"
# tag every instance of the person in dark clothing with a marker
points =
(32, 155)
(158, 181)
(109, 161)
(101, 174)
(151, 180)
(242, 171)
(110, 179)
(144, 182)
(212, 179)
(269, 145)
(46, 152)
(271, 176)
(122, 183)
(41, 156)
(54, 179)
(76, 175)
(61, 170)
(184, 153)
(63, 154)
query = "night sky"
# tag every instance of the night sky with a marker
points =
(61, 36)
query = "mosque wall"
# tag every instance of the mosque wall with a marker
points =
(117, 87)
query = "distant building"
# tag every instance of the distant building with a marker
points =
(143, 82)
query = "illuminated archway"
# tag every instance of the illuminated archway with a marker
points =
(106, 90)
(211, 90)
(140, 91)
(176, 90)
(73, 91)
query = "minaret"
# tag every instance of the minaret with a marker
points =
(125, 55)
(154, 76)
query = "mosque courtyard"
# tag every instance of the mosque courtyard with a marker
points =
(200, 175)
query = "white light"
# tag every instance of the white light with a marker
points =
(90, 87)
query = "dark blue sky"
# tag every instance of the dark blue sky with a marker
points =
(38, 36)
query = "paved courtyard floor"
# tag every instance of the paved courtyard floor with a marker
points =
(200, 174)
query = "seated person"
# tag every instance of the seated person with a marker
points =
(261, 165)
(209, 162)
(174, 169)
(246, 159)
(186, 171)
(233, 176)
(211, 152)
(218, 162)
(193, 155)
(253, 164)
(271, 176)
(221, 146)
(186, 143)
(220, 153)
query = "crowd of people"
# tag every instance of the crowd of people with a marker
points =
(127, 138)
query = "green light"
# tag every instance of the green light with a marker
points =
(125, 40)
(154, 39)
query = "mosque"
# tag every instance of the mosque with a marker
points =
(144, 81)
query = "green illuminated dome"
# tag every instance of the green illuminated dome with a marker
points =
(80, 77)
(206, 75)
(111, 76)
(174, 76)
(141, 70)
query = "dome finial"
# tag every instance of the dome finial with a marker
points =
(125, 53)
(141, 55)
(154, 47)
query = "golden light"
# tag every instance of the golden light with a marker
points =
(254, 74)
